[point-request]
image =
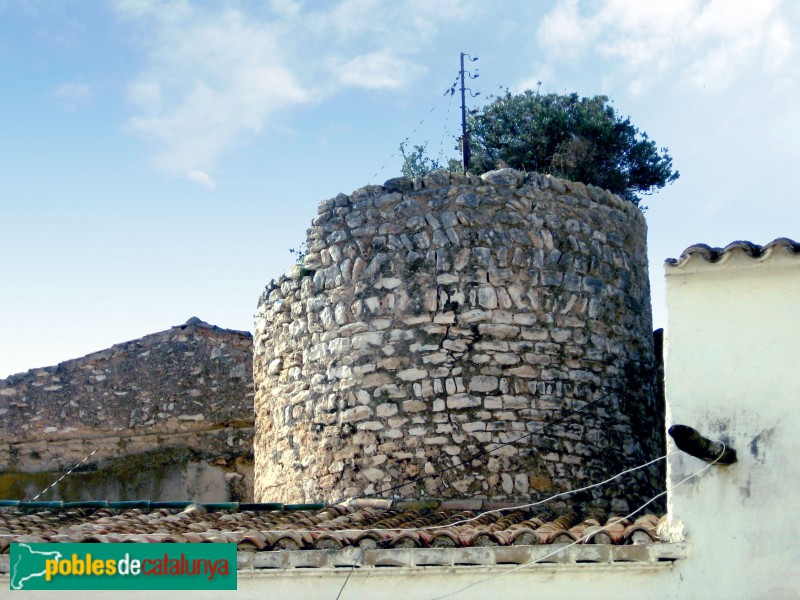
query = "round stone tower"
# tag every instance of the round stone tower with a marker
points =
(460, 337)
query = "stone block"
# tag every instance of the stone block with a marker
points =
(358, 413)
(487, 297)
(475, 315)
(366, 339)
(412, 406)
(460, 401)
(412, 374)
(498, 331)
(474, 426)
(386, 410)
(482, 383)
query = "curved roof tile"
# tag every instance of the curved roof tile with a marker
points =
(715, 255)
(315, 529)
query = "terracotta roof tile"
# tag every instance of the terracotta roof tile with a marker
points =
(329, 528)
(715, 255)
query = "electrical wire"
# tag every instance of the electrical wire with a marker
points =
(404, 142)
(488, 512)
(440, 156)
(451, 91)
(530, 505)
(540, 502)
(586, 537)
(64, 475)
(360, 559)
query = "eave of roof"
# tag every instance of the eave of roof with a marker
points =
(452, 559)
(286, 536)
(491, 557)
(713, 255)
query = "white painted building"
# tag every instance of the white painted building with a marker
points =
(733, 373)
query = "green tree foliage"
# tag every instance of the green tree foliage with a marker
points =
(416, 162)
(580, 139)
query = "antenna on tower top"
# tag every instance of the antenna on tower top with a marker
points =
(464, 136)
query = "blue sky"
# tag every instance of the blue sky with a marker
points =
(159, 159)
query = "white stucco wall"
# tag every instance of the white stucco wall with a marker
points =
(560, 582)
(733, 373)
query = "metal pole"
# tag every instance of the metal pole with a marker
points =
(464, 138)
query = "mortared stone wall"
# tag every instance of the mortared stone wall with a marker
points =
(446, 317)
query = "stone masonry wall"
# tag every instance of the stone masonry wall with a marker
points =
(438, 318)
(168, 414)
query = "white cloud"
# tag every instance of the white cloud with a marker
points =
(72, 96)
(145, 93)
(217, 76)
(202, 178)
(563, 32)
(376, 70)
(286, 8)
(212, 79)
(779, 46)
(705, 44)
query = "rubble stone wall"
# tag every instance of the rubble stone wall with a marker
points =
(177, 405)
(437, 319)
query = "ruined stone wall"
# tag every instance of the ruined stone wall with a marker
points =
(169, 414)
(436, 319)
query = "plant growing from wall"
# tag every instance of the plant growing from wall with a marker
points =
(299, 253)
(416, 163)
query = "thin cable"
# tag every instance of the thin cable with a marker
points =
(586, 537)
(480, 454)
(546, 500)
(488, 512)
(451, 91)
(360, 559)
(405, 141)
(457, 523)
(440, 157)
(64, 475)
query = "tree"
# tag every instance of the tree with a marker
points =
(416, 163)
(580, 139)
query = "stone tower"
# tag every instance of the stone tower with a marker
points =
(487, 337)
